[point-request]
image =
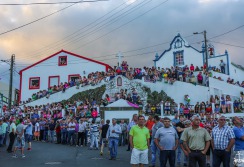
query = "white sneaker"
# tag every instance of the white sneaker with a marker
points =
(77, 146)
(81, 145)
(15, 156)
(23, 155)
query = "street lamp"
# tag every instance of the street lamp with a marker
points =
(205, 43)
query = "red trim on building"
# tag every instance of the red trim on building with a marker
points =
(73, 54)
(62, 63)
(34, 87)
(56, 76)
(73, 75)
(106, 65)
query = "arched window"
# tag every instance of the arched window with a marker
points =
(119, 81)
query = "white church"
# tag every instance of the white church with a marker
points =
(62, 66)
(180, 53)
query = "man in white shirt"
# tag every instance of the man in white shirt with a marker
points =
(71, 132)
(12, 133)
(113, 137)
(81, 132)
(37, 131)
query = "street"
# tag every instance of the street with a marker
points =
(49, 154)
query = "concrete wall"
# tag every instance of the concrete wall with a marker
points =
(50, 68)
(59, 96)
(220, 87)
(179, 89)
(119, 114)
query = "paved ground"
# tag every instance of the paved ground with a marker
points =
(47, 154)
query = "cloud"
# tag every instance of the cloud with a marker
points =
(160, 25)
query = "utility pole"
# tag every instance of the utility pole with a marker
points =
(206, 48)
(11, 81)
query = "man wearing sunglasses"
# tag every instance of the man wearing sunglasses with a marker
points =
(223, 139)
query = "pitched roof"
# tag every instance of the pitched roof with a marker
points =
(64, 51)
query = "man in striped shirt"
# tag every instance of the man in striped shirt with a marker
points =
(223, 139)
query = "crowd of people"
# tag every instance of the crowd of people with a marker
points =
(167, 75)
(194, 137)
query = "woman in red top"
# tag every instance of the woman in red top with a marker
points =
(58, 132)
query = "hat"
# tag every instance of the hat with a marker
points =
(195, 116)
(187, 122)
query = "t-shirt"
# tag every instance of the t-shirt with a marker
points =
(167, 137)
(28, 129)
(19, 130)
(12, 126)
(52, 126)
(155, 127)
(37, 127)
(71, 126)
(4, 126)
(104, 130)
(239, 144)
(140, 136)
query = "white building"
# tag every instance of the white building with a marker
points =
(60, 67)
(180, 53)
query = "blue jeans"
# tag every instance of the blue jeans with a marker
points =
(154, 150)
(179, 151)
(113, 147)
(166, 155)
(51, 134)
(64, 137)
(45, 137)
(221, 156)
(94, 141)
(71, 133)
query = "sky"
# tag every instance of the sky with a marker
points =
(99, 30)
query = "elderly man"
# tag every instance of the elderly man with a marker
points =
(223, 139)
(196, 141)
(113, 137)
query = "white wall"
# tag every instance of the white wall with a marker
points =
(220, 87)
(59, 96)
(179, 89)
(167, 60)
(50, 68)
(236, 74)
(119, 114)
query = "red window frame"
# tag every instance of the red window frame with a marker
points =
(55, 76)
(73, 75)
(34, 87)
(59, 61)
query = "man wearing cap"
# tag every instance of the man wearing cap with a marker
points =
(196, 141)
(223, 139)
(166, 139)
